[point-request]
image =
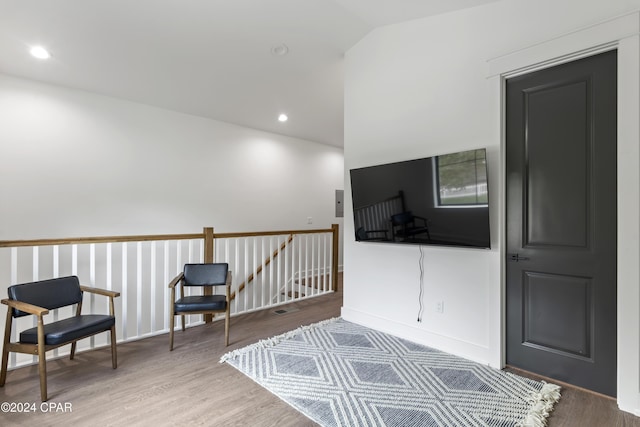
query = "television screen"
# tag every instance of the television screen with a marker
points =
(441, 200)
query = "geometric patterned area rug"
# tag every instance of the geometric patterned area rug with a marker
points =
(339, 373)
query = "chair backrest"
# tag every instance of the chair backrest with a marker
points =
(205, 274)
(50, 294)
(402, 218)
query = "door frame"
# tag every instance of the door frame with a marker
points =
(621, 33)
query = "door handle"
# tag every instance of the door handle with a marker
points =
(517, 258)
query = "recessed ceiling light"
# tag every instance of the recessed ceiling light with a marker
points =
(283, 118)
(39, 52)
(280, 50)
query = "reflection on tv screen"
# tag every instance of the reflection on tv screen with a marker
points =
(441, 200)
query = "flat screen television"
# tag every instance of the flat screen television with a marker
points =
(440, 200)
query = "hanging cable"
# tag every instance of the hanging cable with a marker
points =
(421, 265)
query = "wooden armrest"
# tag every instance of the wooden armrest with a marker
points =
(26, 307)
(105, 292)
(175, 280)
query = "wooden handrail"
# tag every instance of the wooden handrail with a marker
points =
(105, 239)
(150, 237)
(270, 233)
(400, 197)
(260, 267)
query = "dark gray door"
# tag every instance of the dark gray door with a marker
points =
(561, 222)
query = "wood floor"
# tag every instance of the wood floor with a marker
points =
(188, 386)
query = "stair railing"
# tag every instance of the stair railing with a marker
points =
(140, 268)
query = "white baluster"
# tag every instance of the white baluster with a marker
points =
(139, 305)
(124, 293)
(153, 285)
(92, 282)
(167, 279)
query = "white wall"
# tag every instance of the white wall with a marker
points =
(418, 89)
(77, 164)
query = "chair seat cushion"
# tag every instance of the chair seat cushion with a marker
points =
(70, 329)
(201, 303)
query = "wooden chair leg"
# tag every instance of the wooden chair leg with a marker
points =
(42, 369)
(114, 354)
(5, 347)
(73, 350)
(183, 322)
(226, 329)
(172, 321)
(42, 360)
(5, 363)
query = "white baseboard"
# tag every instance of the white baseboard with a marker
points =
(418, 335)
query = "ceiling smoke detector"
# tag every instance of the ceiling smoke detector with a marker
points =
(280, 50)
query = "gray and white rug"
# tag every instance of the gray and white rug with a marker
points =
(339, 373)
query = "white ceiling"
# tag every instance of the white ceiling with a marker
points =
(209, 58)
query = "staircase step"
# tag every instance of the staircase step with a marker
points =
(314, 282)
(295, 294)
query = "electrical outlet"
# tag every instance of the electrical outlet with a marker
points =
(309, 220)
(440, 307)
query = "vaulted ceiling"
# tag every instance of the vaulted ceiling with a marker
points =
(220, 59)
